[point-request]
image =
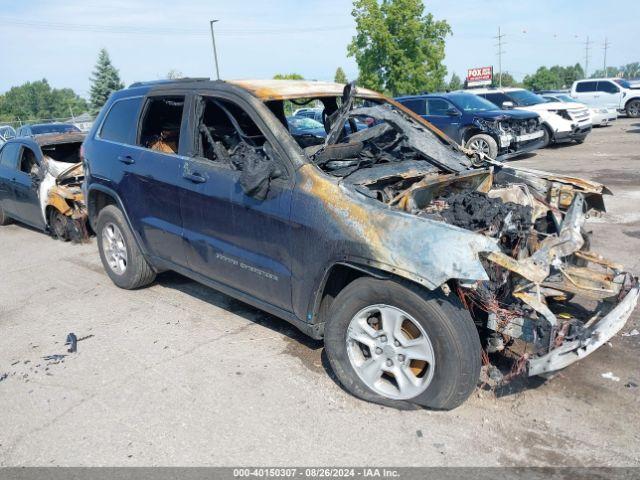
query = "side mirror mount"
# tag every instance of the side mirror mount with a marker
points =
(507, 105)
(452, 112)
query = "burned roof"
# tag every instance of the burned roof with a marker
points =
(268, 90)
(55, 138)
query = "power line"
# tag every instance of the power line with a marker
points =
(164, 30)
(500, 52)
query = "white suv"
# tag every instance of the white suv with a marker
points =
(562, 122)
(608, 92)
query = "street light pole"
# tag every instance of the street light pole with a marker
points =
(215, 52)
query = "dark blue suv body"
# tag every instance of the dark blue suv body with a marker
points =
(478, 124)
(368, 239)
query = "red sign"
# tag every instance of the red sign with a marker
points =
(479, 76)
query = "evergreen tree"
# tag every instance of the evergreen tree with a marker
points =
(105, 80)
(455, 83)
(340, 76)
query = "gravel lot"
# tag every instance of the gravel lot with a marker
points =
(178, 374)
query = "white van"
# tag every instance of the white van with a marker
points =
(608, 93)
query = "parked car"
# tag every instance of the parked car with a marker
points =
(561, 122)
(608, 93)
(306, 131)
(40, 184)
(312, 113)
(6, 133)
(45, 128)
(390, 243)
(478, 124)
(316, 114)
(600, 116)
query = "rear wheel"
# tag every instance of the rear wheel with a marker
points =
(120, 255)
(633, 109)
(483, 143)
(401, 346)
(4, 219)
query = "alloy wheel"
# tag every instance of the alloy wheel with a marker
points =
(115, 250)
(390, 351)
(479, 145)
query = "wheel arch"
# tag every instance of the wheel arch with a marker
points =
(100, 196)
(340, 274)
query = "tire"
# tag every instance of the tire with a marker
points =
(546, 137)
(633, 108)
(580, 141)
(454, 369)
(58, 225)
(484, 143)
(119, 252)
(4, 219)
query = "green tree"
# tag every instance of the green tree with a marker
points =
(174, 74)
(288, 76)
(38, 101)
(611, 72)
(105, 80)
(340, 76)
(455, 83)
(507, 80)
(398, 48)
(543, 79)
(631, 71)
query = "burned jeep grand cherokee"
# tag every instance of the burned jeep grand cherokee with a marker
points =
(408, 255)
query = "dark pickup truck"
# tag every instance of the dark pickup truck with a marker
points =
(405, 252)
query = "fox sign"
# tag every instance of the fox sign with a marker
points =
(479, 76)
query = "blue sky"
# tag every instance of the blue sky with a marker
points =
(59, 39)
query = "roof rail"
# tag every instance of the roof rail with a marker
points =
(168, 81)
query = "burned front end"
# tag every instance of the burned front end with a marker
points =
(513, 135)
(60, 177)
(509, 242)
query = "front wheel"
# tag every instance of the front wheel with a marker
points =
(633, 109)
(400, 346)
(4, 219)
(485, 144)
(546, 137)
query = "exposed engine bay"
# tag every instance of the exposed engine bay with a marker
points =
(547, 300)
(60, 177)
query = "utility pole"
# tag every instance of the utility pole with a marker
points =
(587, 46)
(215, 52)
(605, 47)
(500, 52)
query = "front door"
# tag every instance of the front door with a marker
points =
(241, 240)
(26, 186)
(441, 113)
(9, 156)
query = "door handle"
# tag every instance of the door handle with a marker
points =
(194, 177)
(126, 159)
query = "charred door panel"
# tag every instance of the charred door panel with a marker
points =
(26, 199)
(235, 239)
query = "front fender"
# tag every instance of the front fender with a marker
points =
(425, 251)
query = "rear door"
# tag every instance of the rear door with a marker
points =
(149, 179)
(240, 240)
(9, 156)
